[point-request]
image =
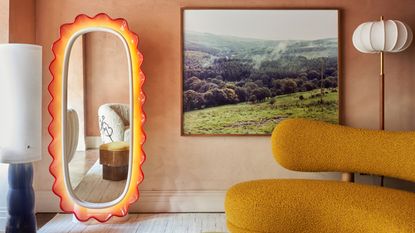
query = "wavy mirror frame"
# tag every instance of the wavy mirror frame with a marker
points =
(69, 203)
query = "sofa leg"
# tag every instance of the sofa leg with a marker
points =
(348, 177)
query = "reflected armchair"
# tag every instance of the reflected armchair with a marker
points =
(114, 122)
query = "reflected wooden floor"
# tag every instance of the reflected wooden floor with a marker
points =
(85, 174)
(143, 223)
(80, 164)
(93, 188)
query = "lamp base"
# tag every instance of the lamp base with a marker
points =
(21, 199)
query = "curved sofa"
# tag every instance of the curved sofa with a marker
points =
(294, 205)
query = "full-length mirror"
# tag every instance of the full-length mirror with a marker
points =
(97, 117)
(98, 132)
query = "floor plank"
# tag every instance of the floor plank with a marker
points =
(43, 218)
(80, 164)
(143, 223)
(93, 188)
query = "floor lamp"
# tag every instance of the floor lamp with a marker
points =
(20, 124)
(381, 37)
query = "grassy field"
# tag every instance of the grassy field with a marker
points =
(261, 118)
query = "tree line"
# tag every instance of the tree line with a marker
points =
(234, 80)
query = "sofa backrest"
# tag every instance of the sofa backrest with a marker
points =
(312, 146)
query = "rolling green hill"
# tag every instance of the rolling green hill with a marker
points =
(261, 118)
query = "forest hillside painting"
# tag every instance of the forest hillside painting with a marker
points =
(246, 70)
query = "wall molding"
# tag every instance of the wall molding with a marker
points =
(153, 201)
(92, 142)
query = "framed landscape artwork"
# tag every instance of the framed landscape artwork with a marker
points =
(243, 70)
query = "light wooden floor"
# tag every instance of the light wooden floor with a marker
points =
(93, 188)
(80, 164)
(143, 223)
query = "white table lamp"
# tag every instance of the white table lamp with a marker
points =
(20, 124)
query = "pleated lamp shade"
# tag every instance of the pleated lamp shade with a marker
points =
(20, 103)
(382, 36)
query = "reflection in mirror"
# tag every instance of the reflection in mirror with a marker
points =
(97, 134)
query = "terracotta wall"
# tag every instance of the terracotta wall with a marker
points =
(4, 21)
(76, 87)
(104, 81)
(17, 21)
(215, 163)
(22, 21)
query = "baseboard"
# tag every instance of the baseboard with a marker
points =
(153, 201)
(180, 201)
(92, 142)
(3, 218)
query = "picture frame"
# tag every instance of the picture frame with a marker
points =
(193, 124)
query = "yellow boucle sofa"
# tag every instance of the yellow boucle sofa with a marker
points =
(294, 205)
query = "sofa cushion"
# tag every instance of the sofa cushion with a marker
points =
(264, 206)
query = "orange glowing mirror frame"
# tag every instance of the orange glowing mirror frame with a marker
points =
(82, 210)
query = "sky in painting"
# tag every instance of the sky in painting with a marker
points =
(264, 24)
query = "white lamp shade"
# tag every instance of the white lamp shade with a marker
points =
(382, 36)
(20, 103)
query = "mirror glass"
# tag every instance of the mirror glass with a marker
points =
(97, 134)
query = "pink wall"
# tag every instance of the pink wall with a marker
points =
(76, 86)
(22, 21)
(106, 78)
(4, 21)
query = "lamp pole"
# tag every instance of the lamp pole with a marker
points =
(382, 90)
(382, 97)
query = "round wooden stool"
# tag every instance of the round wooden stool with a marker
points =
(114, 157)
